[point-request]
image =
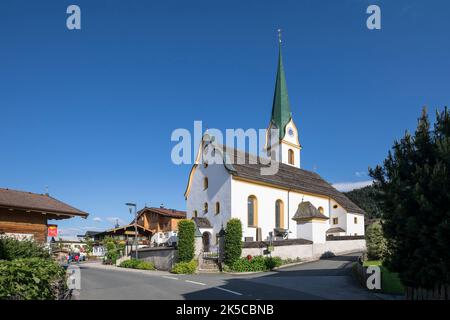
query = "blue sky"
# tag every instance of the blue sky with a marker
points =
(89, 113)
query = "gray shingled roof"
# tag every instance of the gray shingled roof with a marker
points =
(287, 177)
(336, 229)
(307, 210)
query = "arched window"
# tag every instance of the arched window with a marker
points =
(205, 207)
(291, 156)
(279, 214)
(217, 207)
(252, 211)
(320, 210)
(205, 183)
(195, 214)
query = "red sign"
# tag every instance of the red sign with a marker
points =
(52, 230)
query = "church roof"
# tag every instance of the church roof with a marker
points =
(334, 230)
(307, 210)
(247, 166)
(281, 109)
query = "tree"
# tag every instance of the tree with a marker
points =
(186, 238)
(414, 186)
(233, 241)
(366, 198)
(376, 243)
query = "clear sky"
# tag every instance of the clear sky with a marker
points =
(89, 113)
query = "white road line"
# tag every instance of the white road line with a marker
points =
(195, 282)
(233, 292)
(167, 277)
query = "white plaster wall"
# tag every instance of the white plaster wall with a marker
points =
(340, 213)
(308, 252)
(313, 230)
(285, 147)
(267, 196)
(355, 229)
(219, 190)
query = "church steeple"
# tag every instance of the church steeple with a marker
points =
(281, 109)
(281, 119)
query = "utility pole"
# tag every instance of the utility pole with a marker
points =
(131, 206)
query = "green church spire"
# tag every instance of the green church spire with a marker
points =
(281, 109)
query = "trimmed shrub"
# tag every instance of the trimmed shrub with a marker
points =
(254, 264)
(185, 267)
(186, 245)
(273, 262)
(233, 241)
(30, 278)
(376, 243)
(145, 265)
(11, 249)
(137, 264)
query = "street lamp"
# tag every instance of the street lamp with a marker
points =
(131, 206)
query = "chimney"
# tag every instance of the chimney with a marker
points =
(161, 206)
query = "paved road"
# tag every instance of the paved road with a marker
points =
(324, 279)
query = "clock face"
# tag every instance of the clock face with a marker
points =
(291, 132)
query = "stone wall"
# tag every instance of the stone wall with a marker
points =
(163, 258)
(307, 251)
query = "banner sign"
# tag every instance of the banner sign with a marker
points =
(52, 230)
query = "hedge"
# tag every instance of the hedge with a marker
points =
(254, 264)
(186, 245)
(233, 241)
(31, 278)
(185, 267)
(11, 249)
(137, 264)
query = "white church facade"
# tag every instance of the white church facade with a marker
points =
(293, 203)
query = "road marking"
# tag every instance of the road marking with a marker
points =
(233, 292)
(195, 282)
(167, 277)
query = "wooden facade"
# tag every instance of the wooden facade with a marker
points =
(22, 222)
(26, 214)
(160, 219)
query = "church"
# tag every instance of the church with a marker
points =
(291, 204)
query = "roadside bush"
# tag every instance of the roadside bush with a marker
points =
(185, 267)
(11, 249)
(376, 242)
(186, 246)
(137, 264)
(254, 264)
(273, 262)
(233, 241)
(30, 278)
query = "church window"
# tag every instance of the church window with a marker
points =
(205, 208)
(335, 206)
(291, 156)
(205, 183)
(355, 220)
(252, 211)
(217, 207)
(320, 210)
(195, 214)
(205, 164)
(279, 214)
(335, 221)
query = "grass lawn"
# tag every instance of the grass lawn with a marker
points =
(390, 282)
